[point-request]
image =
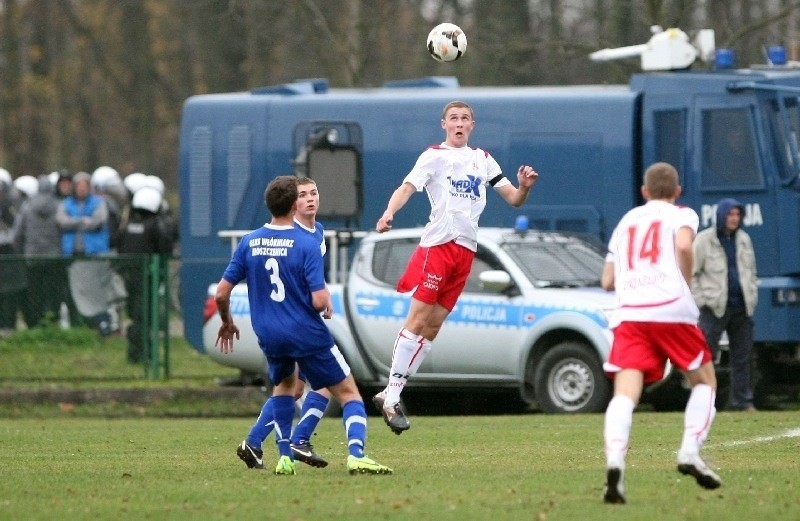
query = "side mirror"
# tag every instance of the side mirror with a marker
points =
(497, 281)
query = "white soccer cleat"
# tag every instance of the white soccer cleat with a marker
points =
(693, 465)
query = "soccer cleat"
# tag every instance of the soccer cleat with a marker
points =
(378, 400)
(393, 415)
(615, 487)
(365, 465)
(286, 466)
(693, 465)
(251, 456)
(305, 452)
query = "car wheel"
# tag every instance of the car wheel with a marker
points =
(570, 379)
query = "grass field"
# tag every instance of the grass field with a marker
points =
(528, 466)
(176, 459)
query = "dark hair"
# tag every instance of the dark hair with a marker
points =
(280, 195)
(661, 180)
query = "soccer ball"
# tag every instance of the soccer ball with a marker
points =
(447, 42)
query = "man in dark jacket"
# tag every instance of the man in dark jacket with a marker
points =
(12, 273)
(37, 234)
(144, 233)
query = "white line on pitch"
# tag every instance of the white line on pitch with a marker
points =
(791, 433)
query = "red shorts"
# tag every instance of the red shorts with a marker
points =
(646, 346)
(439, 273)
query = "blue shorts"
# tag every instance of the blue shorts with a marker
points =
(320, 370)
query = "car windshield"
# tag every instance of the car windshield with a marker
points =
(551, 260)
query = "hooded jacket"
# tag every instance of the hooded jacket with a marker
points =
(36, 231)
(710, 271)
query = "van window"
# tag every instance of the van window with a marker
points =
(729, 149)
(669, 131)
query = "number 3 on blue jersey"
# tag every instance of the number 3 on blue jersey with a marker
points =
(278, 291)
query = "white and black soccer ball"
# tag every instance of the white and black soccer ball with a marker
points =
(447, 42)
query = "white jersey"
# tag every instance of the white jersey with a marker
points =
(648, 281)
(455, 179)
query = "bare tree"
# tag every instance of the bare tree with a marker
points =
(89, 82)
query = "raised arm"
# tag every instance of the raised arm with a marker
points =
(526, 178)
(398, 199)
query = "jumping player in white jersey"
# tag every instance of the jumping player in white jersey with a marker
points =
(284, 269)
(455, 177)
(649, 264)
(316, 401)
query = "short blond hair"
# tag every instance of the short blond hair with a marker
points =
(661, 181)
(457, 105)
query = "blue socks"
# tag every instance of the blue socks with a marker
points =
(263, 425)
(312, 412)
(283, 407)
(354, 417)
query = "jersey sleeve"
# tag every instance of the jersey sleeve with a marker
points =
(611, 255)
(494, 174)
(237, 267)
(423, 169)
(313, 265)
(688, 218)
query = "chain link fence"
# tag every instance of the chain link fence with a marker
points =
(131, 295)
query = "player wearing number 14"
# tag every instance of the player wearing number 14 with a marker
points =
(649, 264)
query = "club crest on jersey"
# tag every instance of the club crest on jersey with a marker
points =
(470, 186)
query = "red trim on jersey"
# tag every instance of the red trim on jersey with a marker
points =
(656, 304)
(440, 147)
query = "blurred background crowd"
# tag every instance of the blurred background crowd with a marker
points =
(70, 246)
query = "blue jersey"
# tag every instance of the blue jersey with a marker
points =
(318, 232)
(283, 265)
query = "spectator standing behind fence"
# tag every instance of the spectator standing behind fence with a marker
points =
(107, 183)
(12, 274)
(36, 234)
(63, 184)
(63, 189)
(725, 288)
(27, 186)
(83, 219)
(144, 232)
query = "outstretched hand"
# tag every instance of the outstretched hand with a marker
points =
(384, 223)
(526, 176)
(225, 337)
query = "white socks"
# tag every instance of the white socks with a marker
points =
(699, 416)
(617, 430)
(409, 351)
(419, 357)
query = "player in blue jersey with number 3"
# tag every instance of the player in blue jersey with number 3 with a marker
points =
(316, 401)
(284, 270)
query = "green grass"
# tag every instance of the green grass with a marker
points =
(528, 466)
(79, 358)
(174, 457)
(65, 365)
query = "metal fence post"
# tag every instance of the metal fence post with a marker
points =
(166, 302)
(154, 330)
